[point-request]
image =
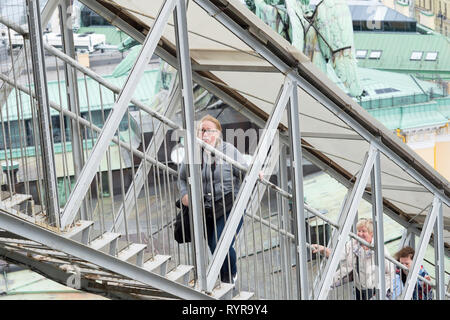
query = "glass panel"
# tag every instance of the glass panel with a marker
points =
(361, 54)
(375, 54)
(416, 55)
(431, 56)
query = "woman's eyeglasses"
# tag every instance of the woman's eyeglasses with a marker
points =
(209, 131)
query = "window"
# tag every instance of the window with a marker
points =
(375, 54)
(361, 54)
(431, 56)
(416, 55)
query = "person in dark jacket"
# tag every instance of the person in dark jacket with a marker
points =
(221, 183)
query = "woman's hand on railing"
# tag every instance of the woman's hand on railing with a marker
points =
(317, 248)
(261, 175)
(185, 200)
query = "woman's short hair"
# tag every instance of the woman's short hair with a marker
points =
(405, 252)
(365, 222)
(213, 120)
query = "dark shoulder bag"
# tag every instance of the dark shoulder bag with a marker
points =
(182, 228)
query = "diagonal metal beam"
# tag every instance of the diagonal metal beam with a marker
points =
(112, 123)
(269, 166)
(247, 186)
(346, 220)
(138, 180)
(413, 272)
(55, 241)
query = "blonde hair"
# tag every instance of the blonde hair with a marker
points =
(212, 119)
(365, 222)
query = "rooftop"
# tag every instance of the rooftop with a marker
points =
(148, 86)
(415, 53)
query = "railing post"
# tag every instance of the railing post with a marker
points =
(71, 84)
(439, 255)
(191, 147)
(298, 210)
(285, 242)
(377, 215)
(40, 87)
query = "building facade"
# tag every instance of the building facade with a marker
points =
(433, 14)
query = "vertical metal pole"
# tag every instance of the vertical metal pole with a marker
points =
(425, 235)
(40, 85)
(439, 255)
(192, 149)
(72, 93)
(298, 209)
(284, 244)
(377, 215)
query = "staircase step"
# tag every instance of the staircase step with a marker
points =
(157, 262)
(16, 199)
(181, 272)
(104, 240)
(223, 291)
(244, 295)
(82, 226)
(134, 249)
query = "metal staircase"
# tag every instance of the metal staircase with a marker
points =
(113, 235)
(108, 245)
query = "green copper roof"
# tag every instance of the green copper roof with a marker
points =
(146, 89)
(397, 48)
(390, 89)
(113, 35)
(413, 116)
(127, 63)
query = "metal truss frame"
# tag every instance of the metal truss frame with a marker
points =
(112, 123)
(55, 241)
(346, 219)
(238, 106)
(287, 99)
(137, 183)
(411, 281)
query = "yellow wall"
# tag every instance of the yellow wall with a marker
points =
(426, 20)
(427, 154)
(389, 3)
(404, 10)
(433, 147)
(443, 158)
